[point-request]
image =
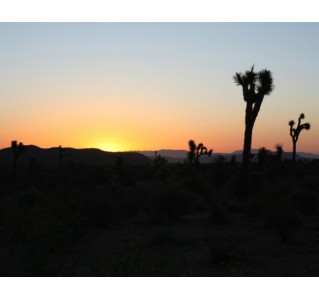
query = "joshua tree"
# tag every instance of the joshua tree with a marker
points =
(17, 150)
(294, 133)
(195, 152)
(255, 87)
(191, 152)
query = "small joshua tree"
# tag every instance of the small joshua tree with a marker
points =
(17, 150)
(279, 152)
(191, 152)
(294, 133)
(195, 152)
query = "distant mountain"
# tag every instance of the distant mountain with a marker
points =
(174, 156)
(286, 155)
(80, 156)
(179, 155)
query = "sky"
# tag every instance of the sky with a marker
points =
(151, 86)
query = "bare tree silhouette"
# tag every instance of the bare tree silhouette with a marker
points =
(17, 150)
(294, 133)
(255, 87)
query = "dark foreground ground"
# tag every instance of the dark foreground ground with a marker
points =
(167, 220)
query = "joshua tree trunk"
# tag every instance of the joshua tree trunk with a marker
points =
(246, 153)
(294, 151)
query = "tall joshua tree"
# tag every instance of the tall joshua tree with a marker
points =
(256, 85)
(294, 133)
(17, 150)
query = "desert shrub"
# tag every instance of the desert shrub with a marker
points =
(163, 172)
(194, 184)
(257, 180)
(297, 170)
(101, 175)
(127, 179)
(161, 234)
(220, 172)
(311, 182)
(37, 238)
(282, 217)
(305, 201)
(102, 212)
(224, 252)
(171, 201)
(148, 172)
(218, 215)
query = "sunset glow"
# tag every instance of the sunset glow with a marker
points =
(151, 86)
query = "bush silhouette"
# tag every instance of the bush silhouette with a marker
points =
(262, 156)
(255, 87)
(62, 155)
(294, 133)
(279, 152)
(159, 160)
(17, 150)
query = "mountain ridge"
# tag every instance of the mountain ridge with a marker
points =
(89, 156)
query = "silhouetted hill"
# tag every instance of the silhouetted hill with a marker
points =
(79, 156)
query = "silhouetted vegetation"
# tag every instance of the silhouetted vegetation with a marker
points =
(159, 160)
(62, 156)
(17, 150)
(279, 152)
(255, 87)
(196, 151)
(294, 133)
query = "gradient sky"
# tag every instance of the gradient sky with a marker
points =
(149, 86)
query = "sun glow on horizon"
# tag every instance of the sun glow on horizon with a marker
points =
(110, 146)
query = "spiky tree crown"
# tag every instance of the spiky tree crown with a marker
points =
(307, 126)
(255, 84)
(192, 145)
(294, 132)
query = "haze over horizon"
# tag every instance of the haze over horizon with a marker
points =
(151, 86)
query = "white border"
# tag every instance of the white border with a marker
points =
(158, 11)
(159, 288)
